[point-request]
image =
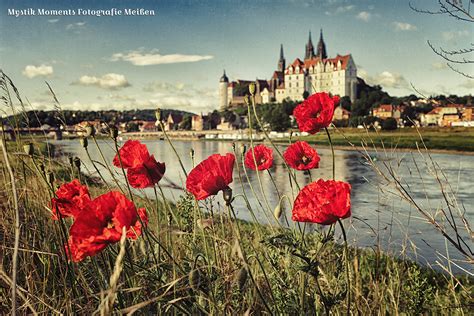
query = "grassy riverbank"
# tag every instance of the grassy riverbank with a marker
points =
(201, 263)
(455, 139)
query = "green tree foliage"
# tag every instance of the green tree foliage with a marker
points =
(186, 123)
(276, 117)
(52, 118)
(389, 124)
(346, 103)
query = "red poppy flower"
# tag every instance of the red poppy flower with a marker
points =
(301, 156)
(101, 223)
(323, 202)
(70, 199)
(143, 171)
(211, 176)
(263, 157)
(315, 112)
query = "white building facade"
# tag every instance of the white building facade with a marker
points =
(316, 73)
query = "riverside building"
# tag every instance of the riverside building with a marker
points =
(315, 73)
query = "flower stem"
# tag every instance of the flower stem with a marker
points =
(174, 149)
(348, 276)
(333, 155)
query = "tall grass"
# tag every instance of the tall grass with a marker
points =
(199, 258)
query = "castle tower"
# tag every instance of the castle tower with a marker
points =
(309, 52)
(321, 51)
(223, 83)
(281, 61)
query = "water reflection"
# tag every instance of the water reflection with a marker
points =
(380, 216)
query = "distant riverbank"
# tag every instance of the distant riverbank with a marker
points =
(458, 140)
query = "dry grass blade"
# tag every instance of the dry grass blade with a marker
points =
(106, 306)
(17, 226)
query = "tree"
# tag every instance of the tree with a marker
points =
(389, 124)
(277, 118)
(346, 103)
(186, 123)
(409, 115)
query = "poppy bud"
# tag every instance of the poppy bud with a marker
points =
(29, 149)
(227, 194)
(71, 161)
(89, 130)
(252, 88)
(195, 279)
(51, 177)
(158, 114)
(241, 278)
(278, 211)
(191, 153)
(113, 131)
(243, 148)
(247, 99)
(41, 168)
(77, 162)
(84, 142)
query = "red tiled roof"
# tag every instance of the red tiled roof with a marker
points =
(385, 108)
(278, 75)
(452, 105)
(435, 111)
(315, 60)
(296, 63)
(148, 125)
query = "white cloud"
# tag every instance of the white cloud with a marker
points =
(439, 66)
(386, 79)
(341, 9)
(401, 26)
(451, 35)
(76, 27)
(364, 16)
(468, 84)
(53, 20)
(139, 58)
(32, 71)
(109, 81)
(158, 86)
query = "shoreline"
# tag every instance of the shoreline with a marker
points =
(312, 142)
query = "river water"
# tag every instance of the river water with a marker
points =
(381, 218)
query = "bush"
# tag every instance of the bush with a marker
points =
(389, 124)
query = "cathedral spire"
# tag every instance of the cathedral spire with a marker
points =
(309, 52)
(224, 78)
(281, 61)
(321, 50)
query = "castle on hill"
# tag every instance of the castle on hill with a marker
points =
(316, 73)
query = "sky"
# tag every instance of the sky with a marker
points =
(174, 59)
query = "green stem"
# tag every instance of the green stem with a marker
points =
(123, 169)
(348, 276)
(333, 155)
(106, 164)
(255, 160)
(174, 149)
(96, 169)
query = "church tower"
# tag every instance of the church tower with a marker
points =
(223, 83)
(321, 51)
(281, 61)
(309, 53)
